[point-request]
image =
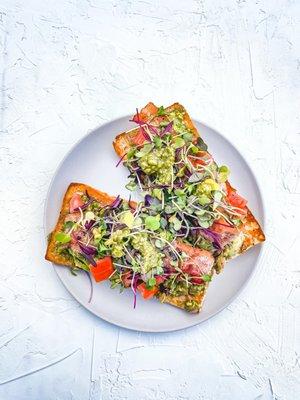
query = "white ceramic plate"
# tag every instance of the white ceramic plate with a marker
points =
(92, 161)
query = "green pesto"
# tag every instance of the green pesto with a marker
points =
(151, 257)
(159, 161)
(191, 305)
(177, 116)
(196, 289)
(115, 242)
(179, 289)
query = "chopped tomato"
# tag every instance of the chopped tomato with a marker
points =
(139, 139)
(236, 200)
(229, 188)
(222, 226)
(197, 280)
(233, 198)
(148, 111)
(103, 269)
(75, 202)
(226, 232)
(145, 292)
(144, 115)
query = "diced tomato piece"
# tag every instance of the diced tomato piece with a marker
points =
(197, 280)
(75, 202)
(229, 188)
(226, 232)
(139, 139)
(148, 111)
(222, 226)
(145, 292)
(103, 269)
(236, 200)
(145, 114)
(233, 198)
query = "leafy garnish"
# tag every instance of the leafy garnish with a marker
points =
(62, 238)
(152, 223)
(176, 223)
(144, 150)
(179, 142)
(201, 144)
(68, 225)
(161, 111)
(157, 141)
(206, 278)
(223, 173)
(188, 137)
(150, 283)
(127, 218)
(131, 185)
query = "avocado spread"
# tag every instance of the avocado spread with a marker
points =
(151, 257)
(159, 161)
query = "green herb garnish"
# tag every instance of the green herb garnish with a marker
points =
(206, 278)
(161, 111)
(62, 238)
(152, 223)
(151, 283)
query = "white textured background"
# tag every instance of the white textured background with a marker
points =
(68, 66)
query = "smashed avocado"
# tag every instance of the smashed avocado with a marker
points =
(207, 186)
(159, 161)
(115, 242)
(177, 116)
(151, 257)
(176, 288)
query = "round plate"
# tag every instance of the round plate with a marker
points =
(93, 161)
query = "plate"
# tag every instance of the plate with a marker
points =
(93, 161)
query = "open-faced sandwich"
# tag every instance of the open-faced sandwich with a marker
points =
(127, 243)
(170, 162)
(168, 246)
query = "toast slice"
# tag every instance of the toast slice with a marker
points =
(191, 302)
(250, 230)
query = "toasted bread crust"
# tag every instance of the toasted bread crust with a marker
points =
(103, 198)
(252, 231)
